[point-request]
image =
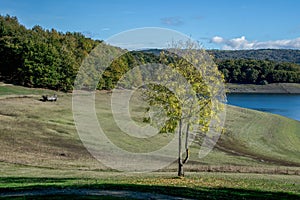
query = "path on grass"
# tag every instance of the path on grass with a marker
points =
(90, 192)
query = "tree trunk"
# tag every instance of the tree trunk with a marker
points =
(187, 153)
(180, 164)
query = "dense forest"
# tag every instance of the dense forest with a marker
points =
(258, 71)
(40, 58)
(50, 59)
(259, 66)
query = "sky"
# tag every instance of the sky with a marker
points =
(216, 24)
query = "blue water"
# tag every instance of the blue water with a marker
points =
(287, 105)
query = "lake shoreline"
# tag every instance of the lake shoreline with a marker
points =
(273, 88)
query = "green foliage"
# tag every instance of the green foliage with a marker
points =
(258, 71)
(50, 59)
(183, 101)
(276, 55)
(40, 58)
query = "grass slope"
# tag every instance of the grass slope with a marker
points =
(266, 136)
(39, 139)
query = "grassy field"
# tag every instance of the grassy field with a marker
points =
(257, 157)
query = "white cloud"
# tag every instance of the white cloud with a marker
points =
(217, 40)
(276, 44)
(243, 43)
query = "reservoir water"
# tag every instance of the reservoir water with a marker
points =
(287, 105)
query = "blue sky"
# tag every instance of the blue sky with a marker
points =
(230, 24)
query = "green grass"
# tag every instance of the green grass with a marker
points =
(269, 137)
(41, 148)
(257, 138)
(194, 185)
(19, 90)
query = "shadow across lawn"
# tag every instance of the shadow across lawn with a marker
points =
(40, 184)
(201, 192)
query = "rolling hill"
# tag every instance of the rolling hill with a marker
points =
(277, 55)
(42, 135)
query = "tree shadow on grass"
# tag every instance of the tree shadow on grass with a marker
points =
(201, 192)
(36, 184)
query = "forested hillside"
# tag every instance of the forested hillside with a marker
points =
(243, 66)
(259, 66)
(277, 55)
(50, 59)
(40, 58)
(258, 71)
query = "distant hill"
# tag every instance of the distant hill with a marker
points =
(277, 55)
(261, 66)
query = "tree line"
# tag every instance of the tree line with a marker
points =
(40, 58)
(50, 59)
(258, 71)
(277, 55)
